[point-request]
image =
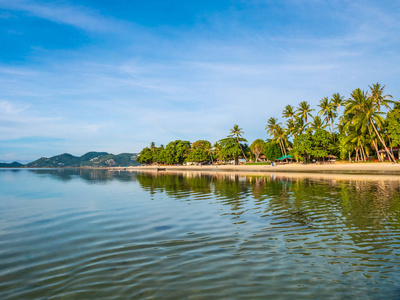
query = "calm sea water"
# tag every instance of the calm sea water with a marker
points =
(73, 234)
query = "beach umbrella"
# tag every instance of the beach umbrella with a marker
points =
(285, 157)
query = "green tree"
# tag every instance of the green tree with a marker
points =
(288, 112)
(345, 147)
(160, 155)
(321, 144)
(327, 110)
(176, 152)
(257, 148)
(275, 130)
(304, 111)
(200, 151)
(393, 125)
(365, 115)
(337, 101)
(229, 149)
(237, 132)
(291, 127)
(272, 150)
(152, 146)
(377, 97)
(301, 146)
(317, 124)
(358, 140)
(145, 156)
(299, 126)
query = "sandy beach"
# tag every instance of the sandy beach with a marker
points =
(336, 168)
(382, 172)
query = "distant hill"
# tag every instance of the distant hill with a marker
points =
(90, 159)
(93, 154)
(11, 165)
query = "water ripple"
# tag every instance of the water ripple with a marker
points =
(174, 236)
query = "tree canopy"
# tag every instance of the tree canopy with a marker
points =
(355, 128)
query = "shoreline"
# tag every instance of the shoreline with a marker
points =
(354, 169)
(357, 172)
(336, 168)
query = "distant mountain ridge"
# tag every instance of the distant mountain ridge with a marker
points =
(14, 164)
(90, 159)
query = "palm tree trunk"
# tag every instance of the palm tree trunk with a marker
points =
(257, 153)
(237, 138)
(356, 154)
(284, 148)
(330, 126)
(364, 154)
(280, 145)
(383, 142)
(377, 150)
(375, 145)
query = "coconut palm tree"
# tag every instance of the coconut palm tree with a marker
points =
(237, 132)
(217, 150)
(275, 130)
(317, 123)
(271, 126)
(365, 113)
(377, 97)
(288, 112)
(304, 110)
(358, 140)
(299, 126)
(337, 101)
(291, 128)
(374, 142)
(327, 109)
(152, 146)
(282, 137)
(346, 127)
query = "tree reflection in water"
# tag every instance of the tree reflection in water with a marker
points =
(361, 208)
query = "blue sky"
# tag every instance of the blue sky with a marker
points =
(93, 75)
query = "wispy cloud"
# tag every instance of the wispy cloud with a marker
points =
(191, 81)
(77, 16)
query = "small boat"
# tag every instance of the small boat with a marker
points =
(161, 169)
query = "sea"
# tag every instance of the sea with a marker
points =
(99, 234)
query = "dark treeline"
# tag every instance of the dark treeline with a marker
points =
(367, 128)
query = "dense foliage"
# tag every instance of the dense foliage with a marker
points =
(175, 152)
(257, 148)
(272, 150)
(393, 125)
(200, 151)
(360, 132)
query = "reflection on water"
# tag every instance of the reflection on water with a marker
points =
(88, 175)
(98, 234)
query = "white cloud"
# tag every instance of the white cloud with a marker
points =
(10, 110)
(190, 84)
(77, 16)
